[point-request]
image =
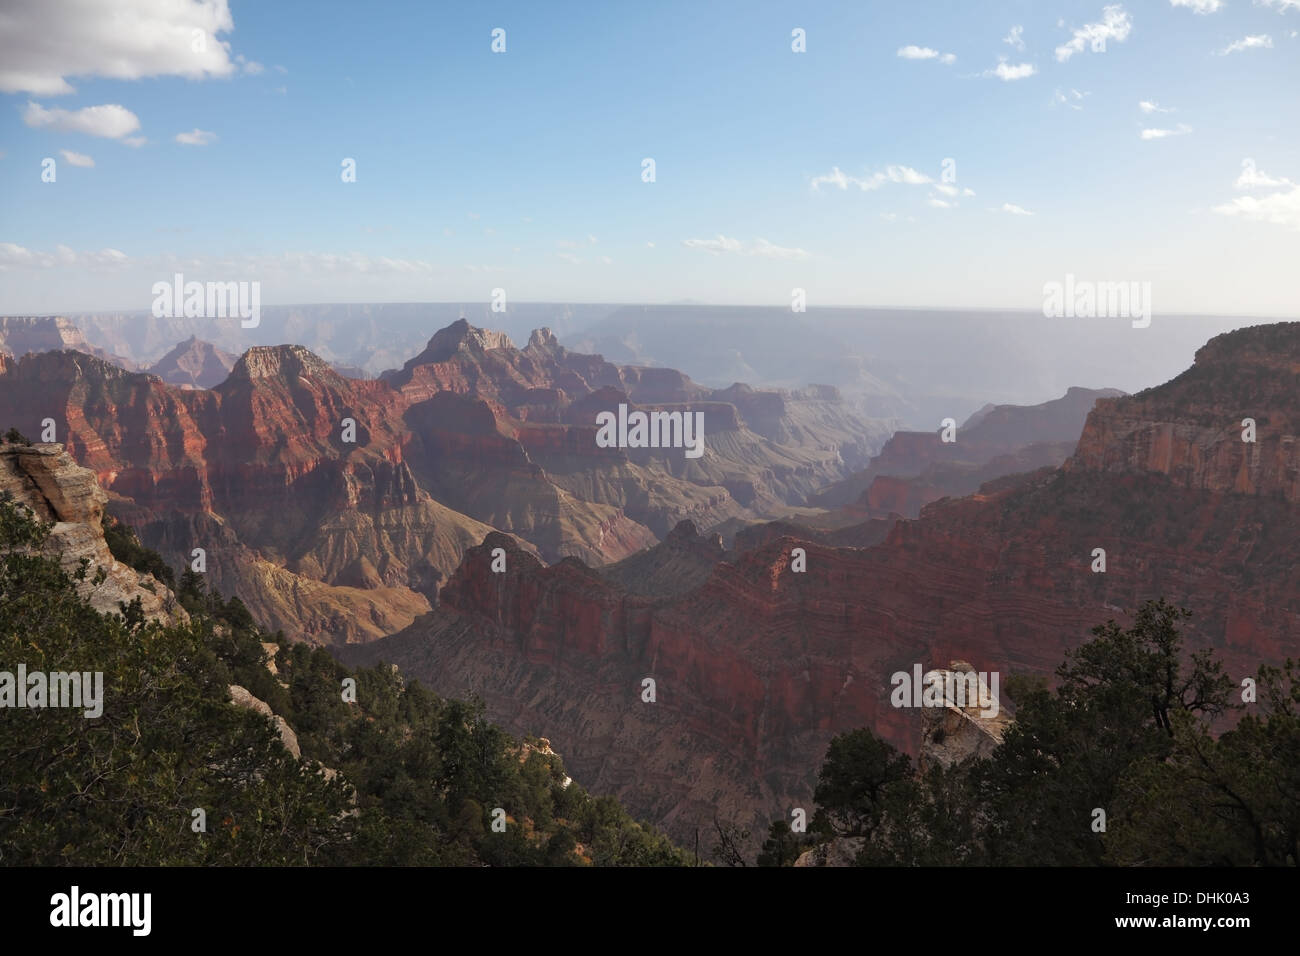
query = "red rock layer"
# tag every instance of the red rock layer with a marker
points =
(758, 665)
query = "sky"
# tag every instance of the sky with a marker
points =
(914, 154)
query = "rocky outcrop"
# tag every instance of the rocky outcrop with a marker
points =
(961, 729)
(241, 697)
(58, 491)
(1194, 429)
(840, 851)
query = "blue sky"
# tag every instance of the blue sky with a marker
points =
(522, 170)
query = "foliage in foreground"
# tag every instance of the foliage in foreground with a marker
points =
(1127, 731)
(418, 776)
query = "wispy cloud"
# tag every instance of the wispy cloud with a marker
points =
(1147, 106)
(1073, 100)
(13, 256)
(1182, 130)
(1258, 41)
(760, 248)
(1013, 209)
(1015, 38)
(76, 159)
(905, 175)
(1199, 6)
(1115, 24)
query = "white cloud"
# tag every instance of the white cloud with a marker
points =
(1252, 178)
(1182, 130)
(196, 137)
(135, 142)
(1280, 208)
(649, 245)
(939, 203)
(1008, 72)
(1013, 209)
(281, 69)
(569, 257)
(1282, 5)
(1199, 6)
(44, 43)
(1147, 106)
(111, 121)
(76, 159)
(251, 67)
(759, 247)
(1115, 24)
(905, 175)
(1015, 38)
(925, 53)
(1258, 41)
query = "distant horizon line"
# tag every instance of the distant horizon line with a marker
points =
(1292, 316)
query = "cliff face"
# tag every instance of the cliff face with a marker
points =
(336, 507)
(1192, 429)
(757, 665)
(44, 478)
(20, 335)
(915, 468)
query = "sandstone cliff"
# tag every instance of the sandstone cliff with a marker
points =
(45, 479)
(336, 507)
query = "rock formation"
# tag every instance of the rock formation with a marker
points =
(758, 665)
(336, 507)
(58, 491)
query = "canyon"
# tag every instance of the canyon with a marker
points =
(336, 507)
(757, 664)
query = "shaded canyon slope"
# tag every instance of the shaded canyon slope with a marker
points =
(338, 541)
(915, 468)
(756, 666)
